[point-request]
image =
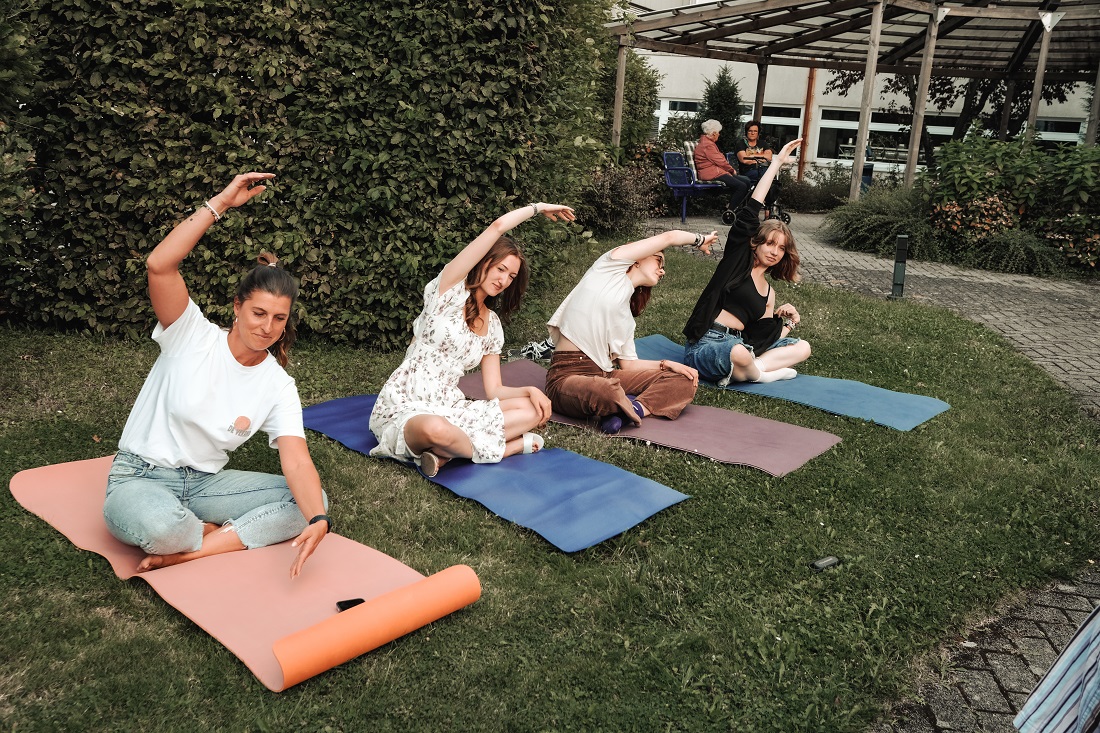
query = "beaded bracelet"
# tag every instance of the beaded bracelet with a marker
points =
(217, 216)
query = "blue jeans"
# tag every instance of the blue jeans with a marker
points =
(710, 355)
(162, 510)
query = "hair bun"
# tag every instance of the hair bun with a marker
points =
(266, 258)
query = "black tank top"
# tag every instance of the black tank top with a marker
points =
(745, 301)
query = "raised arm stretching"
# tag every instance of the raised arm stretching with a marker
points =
(466, 260)
(167, 290)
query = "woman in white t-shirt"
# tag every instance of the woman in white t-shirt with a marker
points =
(595, 371)
(421, 415)
(209, 391)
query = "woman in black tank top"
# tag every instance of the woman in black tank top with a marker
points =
(736, 333)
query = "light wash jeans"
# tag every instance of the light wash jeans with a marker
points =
(162, 510)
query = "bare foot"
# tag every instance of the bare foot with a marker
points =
(213, 543)
(152, 562)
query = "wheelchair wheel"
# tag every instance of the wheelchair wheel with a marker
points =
(729, 216)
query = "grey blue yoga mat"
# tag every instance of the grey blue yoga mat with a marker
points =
(897, 410)
(572, 501)
(722, 435)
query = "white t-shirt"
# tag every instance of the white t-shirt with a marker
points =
(596, 314)
(198, 402)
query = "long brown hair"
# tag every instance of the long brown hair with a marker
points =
(509, 300)
(269, 278)
(786, 268)
(639, 299)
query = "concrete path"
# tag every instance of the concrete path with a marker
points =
(984, 678)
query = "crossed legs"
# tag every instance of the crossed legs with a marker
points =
(771, 366)
(437, 435)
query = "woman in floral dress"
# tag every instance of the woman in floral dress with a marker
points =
(421, 415)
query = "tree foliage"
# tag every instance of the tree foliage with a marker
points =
(397, 131)
(640, 95)
(722, 101)
(982, 100)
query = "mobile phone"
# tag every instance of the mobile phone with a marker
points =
(825, 562)
(349, 603)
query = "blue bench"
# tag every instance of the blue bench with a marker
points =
(680, 177)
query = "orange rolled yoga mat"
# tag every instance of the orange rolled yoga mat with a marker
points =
(284, 630)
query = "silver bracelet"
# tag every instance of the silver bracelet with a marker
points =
(217, 216)
(536, 209)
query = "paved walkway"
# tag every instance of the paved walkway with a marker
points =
(1055, 323)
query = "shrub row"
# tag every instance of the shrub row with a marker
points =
(397, 131)
(1010, 206)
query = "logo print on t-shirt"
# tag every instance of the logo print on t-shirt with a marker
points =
(241, 427)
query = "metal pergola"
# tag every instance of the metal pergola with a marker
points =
(1020, 42)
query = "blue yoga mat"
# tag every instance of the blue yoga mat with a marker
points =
(572, 501)
(897, 410)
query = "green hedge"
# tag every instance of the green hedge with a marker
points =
(983, 187)
(397, 131)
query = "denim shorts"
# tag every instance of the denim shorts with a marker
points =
(710, 355)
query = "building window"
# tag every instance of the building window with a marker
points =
(677, 105)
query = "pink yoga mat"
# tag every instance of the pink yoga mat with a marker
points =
(722, 435)
(284, 630)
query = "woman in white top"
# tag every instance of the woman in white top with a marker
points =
(209, 391)
(595, 371)
(421, 415)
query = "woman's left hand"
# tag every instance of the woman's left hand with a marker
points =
(788, 311)
(240, 190)
(306, 543)
(556, 212)
(689, 372)
(541, 403)
(708, 241)
(786, 155)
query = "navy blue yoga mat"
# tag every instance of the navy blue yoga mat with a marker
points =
(574, 502)
(897, 410)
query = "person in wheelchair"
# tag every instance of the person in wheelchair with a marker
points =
(753, 158)
(711, 165)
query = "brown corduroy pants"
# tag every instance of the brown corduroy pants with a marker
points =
(578, 387)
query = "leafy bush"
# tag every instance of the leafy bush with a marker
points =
(1077, 236)
(676, 131)
(620, 198)
(873, 222)
(397, 132)
(823, 188)
(983, 187)
(973, 221)
(1015, 250)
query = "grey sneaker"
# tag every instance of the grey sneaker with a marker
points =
(538, 350)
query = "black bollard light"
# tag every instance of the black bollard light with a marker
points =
(900, 254)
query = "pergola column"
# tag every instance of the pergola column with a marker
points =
(761, 83)
(620, 85)
(1049, 21)
(1006, 111)
(921, 101)
(1094, 112)
(859, 154)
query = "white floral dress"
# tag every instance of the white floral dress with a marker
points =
(442, 350)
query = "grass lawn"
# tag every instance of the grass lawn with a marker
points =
(704, 617)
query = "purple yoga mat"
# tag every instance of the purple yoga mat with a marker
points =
(722, 435)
